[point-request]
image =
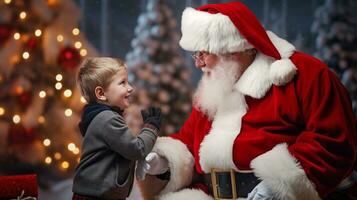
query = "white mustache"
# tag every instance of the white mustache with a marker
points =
(205, 69)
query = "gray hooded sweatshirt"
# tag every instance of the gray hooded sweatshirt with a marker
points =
(109, 152)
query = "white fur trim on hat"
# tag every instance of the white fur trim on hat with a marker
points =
(283, 174)
(284, 48)
(282, 71)
(181, 162)
(215, 33)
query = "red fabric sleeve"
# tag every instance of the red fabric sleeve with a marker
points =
(326, 149)
(185, 135)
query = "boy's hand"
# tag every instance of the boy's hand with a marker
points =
(152, 116)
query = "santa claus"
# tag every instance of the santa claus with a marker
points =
(267, 122)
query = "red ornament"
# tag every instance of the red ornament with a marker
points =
(68, 58)
(18, 134)
(31, 43)
(24, 99)
(5, 33)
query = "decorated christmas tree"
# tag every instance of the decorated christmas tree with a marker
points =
(336, 38)
(157, 69)
(40, 49)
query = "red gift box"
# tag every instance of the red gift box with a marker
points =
(18, 187)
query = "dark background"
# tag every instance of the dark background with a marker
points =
(119, 19)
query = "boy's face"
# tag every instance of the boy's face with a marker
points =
(119, 90)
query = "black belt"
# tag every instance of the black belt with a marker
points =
(229, 184)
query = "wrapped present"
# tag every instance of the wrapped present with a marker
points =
(19, 187)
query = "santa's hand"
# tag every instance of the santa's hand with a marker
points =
(141, 169)
(153, 164)
(157, 164)
(261, 192)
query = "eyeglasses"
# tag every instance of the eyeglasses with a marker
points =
(197, 55)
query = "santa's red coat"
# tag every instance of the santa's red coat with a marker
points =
(300, 136)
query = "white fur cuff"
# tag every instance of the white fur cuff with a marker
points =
(186, 194)
(181, 162)
(283, 174)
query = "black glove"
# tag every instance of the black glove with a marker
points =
(152, 116)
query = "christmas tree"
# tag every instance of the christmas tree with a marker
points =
(336, 40)
(157, 70)
(40, 49)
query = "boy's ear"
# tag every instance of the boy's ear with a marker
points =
(99, 93)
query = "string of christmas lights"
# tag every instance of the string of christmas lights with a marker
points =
(40, 48)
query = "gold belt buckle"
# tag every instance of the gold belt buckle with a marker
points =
(215, 185)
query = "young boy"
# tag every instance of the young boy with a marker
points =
(109, 149)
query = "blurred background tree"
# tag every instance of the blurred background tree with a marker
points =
(157, 69)
(40, 49)
(336, 38)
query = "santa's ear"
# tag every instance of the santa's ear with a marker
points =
(99, 93)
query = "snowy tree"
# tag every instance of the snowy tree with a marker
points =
(336, 40)
(157, 69)
(40, 49)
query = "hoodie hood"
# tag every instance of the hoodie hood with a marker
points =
(92, 110)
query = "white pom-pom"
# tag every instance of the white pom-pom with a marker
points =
(282, 71)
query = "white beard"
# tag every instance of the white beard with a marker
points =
(216, 84)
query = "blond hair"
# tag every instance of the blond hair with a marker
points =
(97, 71)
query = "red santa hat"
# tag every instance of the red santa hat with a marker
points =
(232, 27)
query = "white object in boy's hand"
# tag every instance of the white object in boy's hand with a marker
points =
(153, 164)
